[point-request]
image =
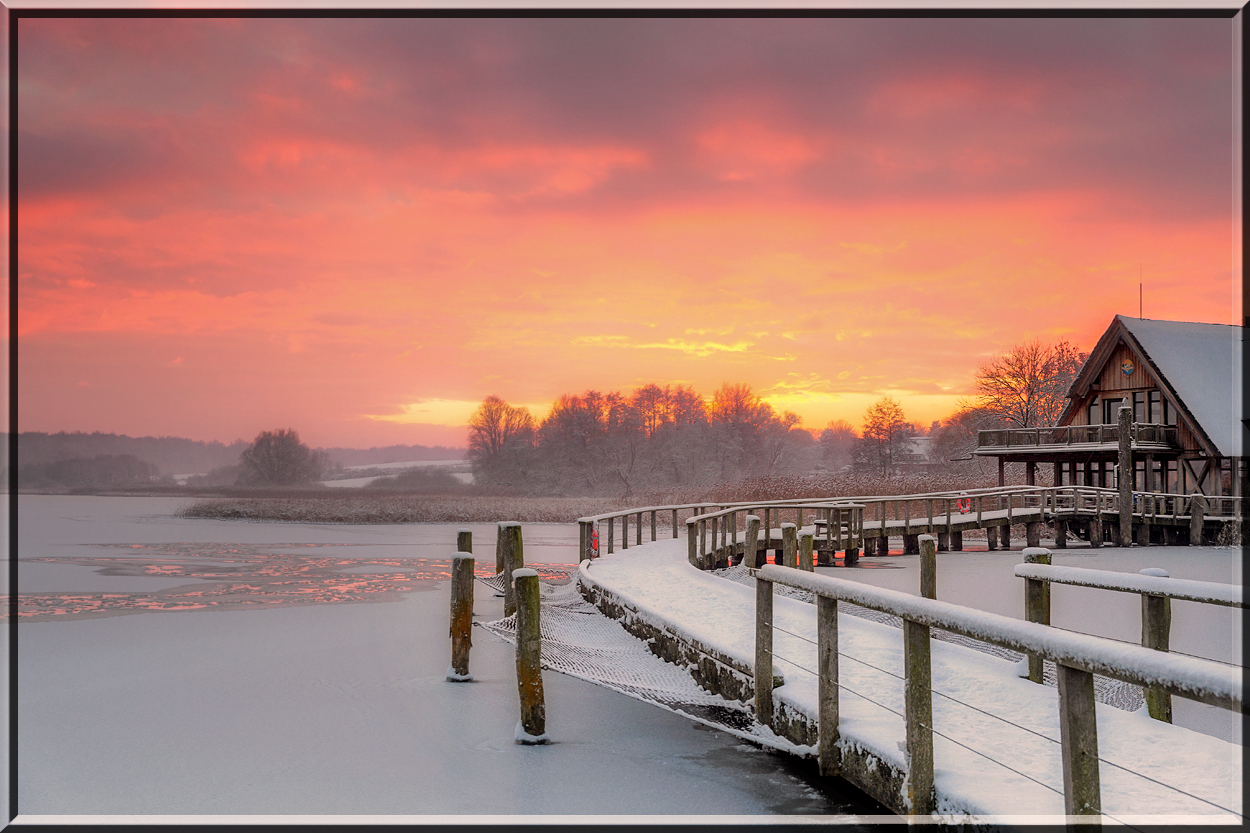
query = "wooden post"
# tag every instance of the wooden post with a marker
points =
(789, 545)
(764, 651)
(883, 543)
(943, 542)
(624, 532)
(1033, 534)
(639, 528)
(1078, 737)
(991, 538)
(957, 541)
(712, 556)
(611, 534)
(828, 755)
(532, 728)
(1036, 603)
(1197, 512)
(1004, 531)
(461, 617)
(692, 542)
(805, 552)
(751, 548)
(918, 706)
(585, 531)
(1125, 479)
(652, 524)
(1156, 625)
(1061, 534)
(674, 523)
(498, 548)
(513, 560)
(911, 544)
(928, 566)
(464, 540)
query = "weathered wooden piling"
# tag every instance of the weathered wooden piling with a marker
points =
(513, 559)
(1156, 626)
(928, 566)
(943, 542)
(789, 545)
(1004, 535)
(764, 651)
(957, 541)
(751, 548)
(1033, 534)
(532, 727)
(918, 707)
(1095, 531)
(1036, 603)
(1125, 477)
(464, 540)
(806, 539)
(883, 544)
(461, 617)
(991, 538)
(1197, 513)
(911, 544)
(1078, 736)
(1061, 533)
(828, 756)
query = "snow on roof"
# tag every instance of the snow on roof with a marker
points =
(1202, 363)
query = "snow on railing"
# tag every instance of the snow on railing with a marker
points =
(841, 523)
(1077, 657)
(1208, 592)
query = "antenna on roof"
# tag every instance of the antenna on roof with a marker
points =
(1139, 284)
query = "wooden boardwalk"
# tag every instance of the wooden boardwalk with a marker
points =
(997, 747)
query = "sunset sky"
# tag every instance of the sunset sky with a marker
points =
(359, 228)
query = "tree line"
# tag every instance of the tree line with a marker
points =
(659, 438)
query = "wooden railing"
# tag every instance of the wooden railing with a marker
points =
(1077, 656)
(921, 512)
(837, 526)
(1154, 586)
(1142, 433)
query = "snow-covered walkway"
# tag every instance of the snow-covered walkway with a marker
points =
(996, 745)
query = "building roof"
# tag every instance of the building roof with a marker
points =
(1200, 363)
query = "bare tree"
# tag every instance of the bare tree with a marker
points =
(500, 435)
(278, 458)
(837, 445)
(885, 430)
(1027, 385)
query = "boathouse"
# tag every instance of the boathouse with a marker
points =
(1183, 382)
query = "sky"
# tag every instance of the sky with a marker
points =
(360, 228)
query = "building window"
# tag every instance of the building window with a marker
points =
(1169, 413)
(1139, 406)
(1111, 411)
(1093, 411)
(1156, 408)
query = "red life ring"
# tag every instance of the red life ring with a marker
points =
(965, 505)
(594, 541)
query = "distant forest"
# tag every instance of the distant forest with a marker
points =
(96, 460)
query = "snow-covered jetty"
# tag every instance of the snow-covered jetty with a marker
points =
(928, 726)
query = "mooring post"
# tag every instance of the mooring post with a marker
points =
(1061, 534)
(828, 755)
(461, 616)
(1197, 516)
(1033, 534)
(499, 548)
(918, 706)
(513, 560)
(928, 566)
(789, 545)
(1124, 479)
(764, 651)
(883, 543)
(957, 541)
(943, 542)
(805, 551)
(532, 727)
(1078, 738)
(464, 540)
(991, 538)
(1004, 534)
(1036, 603)
(751, 548)
(1156, 626)
(911, 544)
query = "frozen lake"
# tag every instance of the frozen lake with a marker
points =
(210, 685)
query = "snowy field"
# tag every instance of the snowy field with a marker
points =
(242, 702)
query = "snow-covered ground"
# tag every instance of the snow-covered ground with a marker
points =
(331, 709)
